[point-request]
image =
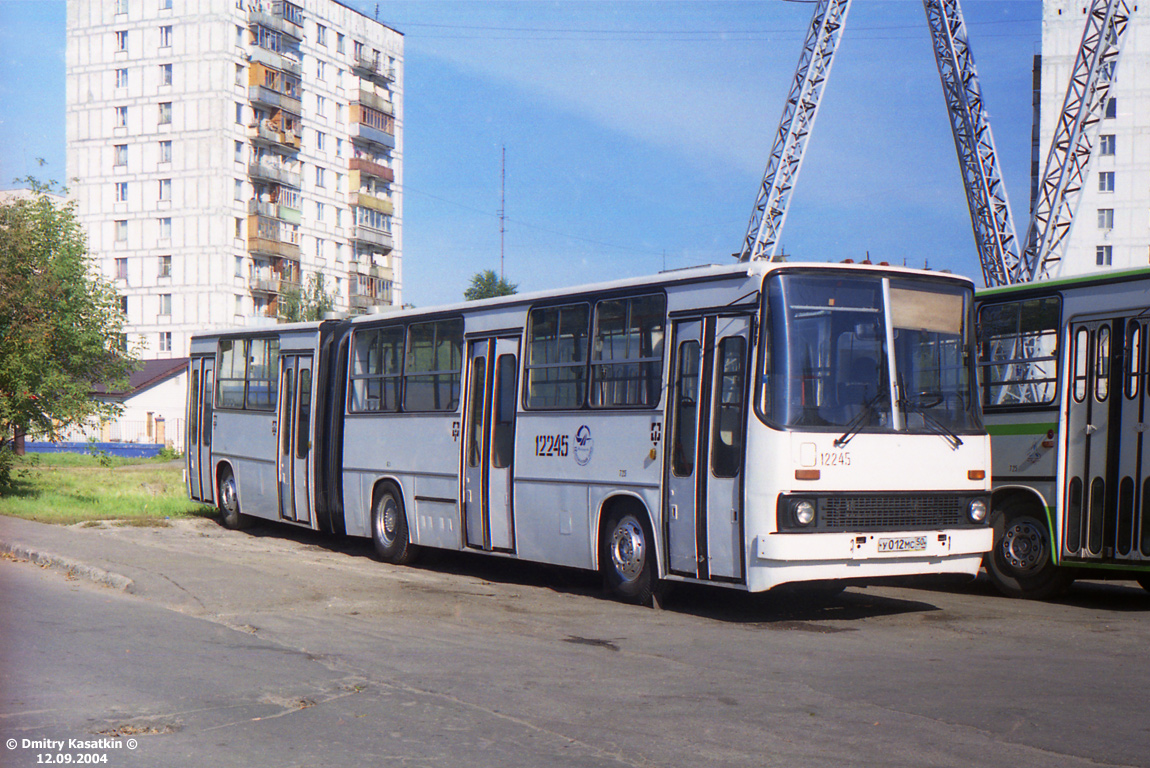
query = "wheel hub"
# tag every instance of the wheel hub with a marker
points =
(1024, 546)
(628, 549)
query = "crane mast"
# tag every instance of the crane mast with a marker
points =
(994, 234)
(770, 211)
(1069, 155)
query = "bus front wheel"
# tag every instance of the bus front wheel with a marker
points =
(229, 503)
(389, 529)
(1021, 563)
(627, 559)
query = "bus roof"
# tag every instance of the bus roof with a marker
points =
(672, 277)
(1092, 279)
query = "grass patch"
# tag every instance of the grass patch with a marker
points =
(66, 488)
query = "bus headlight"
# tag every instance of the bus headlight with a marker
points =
(803, 512)
(977, 510)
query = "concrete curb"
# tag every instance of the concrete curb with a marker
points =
(74, 567)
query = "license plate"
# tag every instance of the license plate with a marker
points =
(903, 544)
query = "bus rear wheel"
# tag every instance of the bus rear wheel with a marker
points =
(229, 503)
(626, 558)
(389, 528)
(1021, 563)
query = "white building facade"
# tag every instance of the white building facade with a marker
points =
(1111, 228)
(226, 155)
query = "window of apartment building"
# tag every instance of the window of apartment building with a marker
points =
(124, 306)
(165, 189)
(338, 112)
(165, 228)
(239, 187)
(320, 248)
(321, 35)
(1106, 218)
(120, 154)
(165, 74)
(166, 36)
(239, 266)
(121, 7)
(319, 176)
(165, 341)
(121, 117)
(165, 269)
(338, 182)
(239, 35)
(320, 140)
(239, 304)
(165, 5)
(339, 147)
(239, 227)
(165, 112)
(1106, 144)
(1106, 181)
(121, 228)
(122, 77)
(319, 212)
(1111, 108)
(239, 74)
(1103, 255)
(339, 42)
(320, 105)
(320, 71)
(165, 151)
(239, 113)
(121, 191)
(121, 269)
(239, 151)
(357, 49)
(165, 304)
(122, 40)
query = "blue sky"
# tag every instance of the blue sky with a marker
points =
(636, 133)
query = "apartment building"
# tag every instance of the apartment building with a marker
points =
(1111, 228)
(227, 154)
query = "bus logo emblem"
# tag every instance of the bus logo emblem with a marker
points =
(584, 444)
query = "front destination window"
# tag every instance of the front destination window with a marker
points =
(828, 363)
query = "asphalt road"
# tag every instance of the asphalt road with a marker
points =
(278, 648)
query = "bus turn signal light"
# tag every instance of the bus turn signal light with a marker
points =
(976, 474)
(807, 474)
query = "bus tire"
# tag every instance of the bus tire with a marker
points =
(389, 528)
(1020, 564)
(229, 502)
(627, 557)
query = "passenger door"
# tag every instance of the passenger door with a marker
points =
(293, 458)
(199, 429)
(489, 443)
(704, 469)
(1106, 485)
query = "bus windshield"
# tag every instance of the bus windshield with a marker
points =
(828, 363)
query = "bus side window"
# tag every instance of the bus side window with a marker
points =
(686, 410)
(502, 430)
(556, 361)
(627, 354)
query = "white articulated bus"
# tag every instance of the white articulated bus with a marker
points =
(1064, 378)
(749, 425)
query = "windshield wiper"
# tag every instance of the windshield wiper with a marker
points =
(856, 423)
(935, 425)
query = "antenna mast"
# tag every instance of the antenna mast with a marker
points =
(502, 206)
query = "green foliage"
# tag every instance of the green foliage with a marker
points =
(60, 322)
(308, 303)
(488, 285)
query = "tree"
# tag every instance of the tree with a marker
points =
(308, 303)
(60, 322)
(488, 285)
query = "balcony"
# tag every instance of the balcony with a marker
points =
(273, 284)
(277, 23)
(373, 67)
(263, 95)
(275, 60)
(274, 173)
(371, 270)
(363, 165)
(383, 205)
(263, 245)
(364, 132)
(371, 236)
(267, 133)
(369, 99)
(275, 211)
